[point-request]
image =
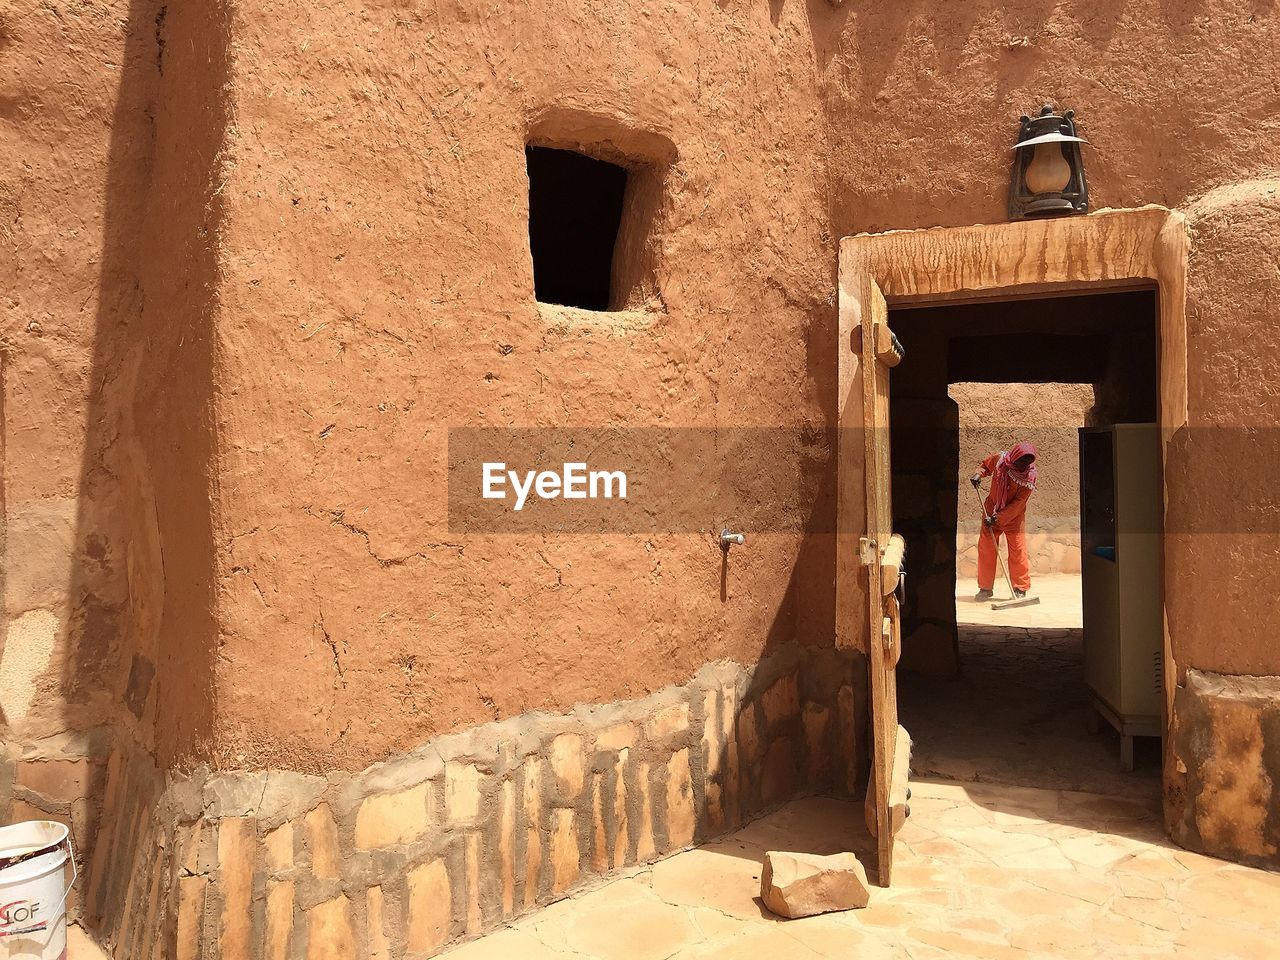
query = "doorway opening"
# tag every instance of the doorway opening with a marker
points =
(1005, 695)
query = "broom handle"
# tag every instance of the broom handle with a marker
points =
(995, 542)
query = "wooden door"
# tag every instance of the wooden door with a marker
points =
(869, 350)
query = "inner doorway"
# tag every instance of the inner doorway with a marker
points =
(1004, 695)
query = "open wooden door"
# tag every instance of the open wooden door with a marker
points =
(868, 351)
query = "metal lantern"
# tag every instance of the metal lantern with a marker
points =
(1048, 172)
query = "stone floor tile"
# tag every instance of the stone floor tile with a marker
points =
(911, 874)
(630, 927)
(818, 825)
(1055, 938)
(754, 943)
(1096, 850)
(946, 848)
(1023, 901)
(1096, 810)
(836, 938)
(915, 831)
(980, 875)
(714, 924)
(956, 793)
(549, 923)
(882, 914)
(1198, 862)
(1017, 713)
(706, 877)
(1251, 876)
(950, 817)
(1035, 801)
(1085, 885)
(1147, 913)
(956, 944)
(1021, 889)
(505, 945)
(1140, 887)
(80, 946)
(1213, 938)
(927, 902)
(1034, 861)
(1113, 931)
(998, 845)
(979, 926)
(1235, 895)
(1060, 604)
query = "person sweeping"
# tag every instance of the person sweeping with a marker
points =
(1013, 474)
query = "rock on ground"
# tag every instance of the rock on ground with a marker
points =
(803, 884)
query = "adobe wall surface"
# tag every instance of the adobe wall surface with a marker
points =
(107, 268)
(330, 493)
(82, 579)
(259, 256)
(1222, 547)
(924, 99)
(379, 291)
(992, 418)
(64, 212)
(1222, 555)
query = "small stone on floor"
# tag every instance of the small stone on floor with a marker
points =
(798, 885)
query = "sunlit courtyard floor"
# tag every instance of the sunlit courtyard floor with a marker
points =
(1026, 839)
(981, 871)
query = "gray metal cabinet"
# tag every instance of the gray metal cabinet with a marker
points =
(1120, 511)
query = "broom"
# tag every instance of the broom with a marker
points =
(1015, 600)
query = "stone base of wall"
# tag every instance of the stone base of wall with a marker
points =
(460, 835)
(1222, 795)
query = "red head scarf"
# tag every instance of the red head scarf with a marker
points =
(1008, 477)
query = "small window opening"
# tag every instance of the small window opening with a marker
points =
(575, 210)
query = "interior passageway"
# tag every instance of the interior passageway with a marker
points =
(1019, 712)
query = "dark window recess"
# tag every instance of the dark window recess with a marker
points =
(575, 207)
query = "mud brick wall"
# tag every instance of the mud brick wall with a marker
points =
(130, 885)
(471, 829)
(57, 779)
(112, 798)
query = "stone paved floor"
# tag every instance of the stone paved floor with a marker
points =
(1018, 713)
(982, 870)
(1059, 604)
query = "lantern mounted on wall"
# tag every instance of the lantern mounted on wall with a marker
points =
(1048, 172)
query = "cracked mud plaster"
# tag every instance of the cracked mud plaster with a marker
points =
(338, 518)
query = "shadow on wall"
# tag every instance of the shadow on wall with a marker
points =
(141, 635)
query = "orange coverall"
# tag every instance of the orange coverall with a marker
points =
(1011, 521)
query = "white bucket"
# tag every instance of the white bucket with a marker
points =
(33, 890)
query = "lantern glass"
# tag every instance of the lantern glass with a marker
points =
(1048, 171)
